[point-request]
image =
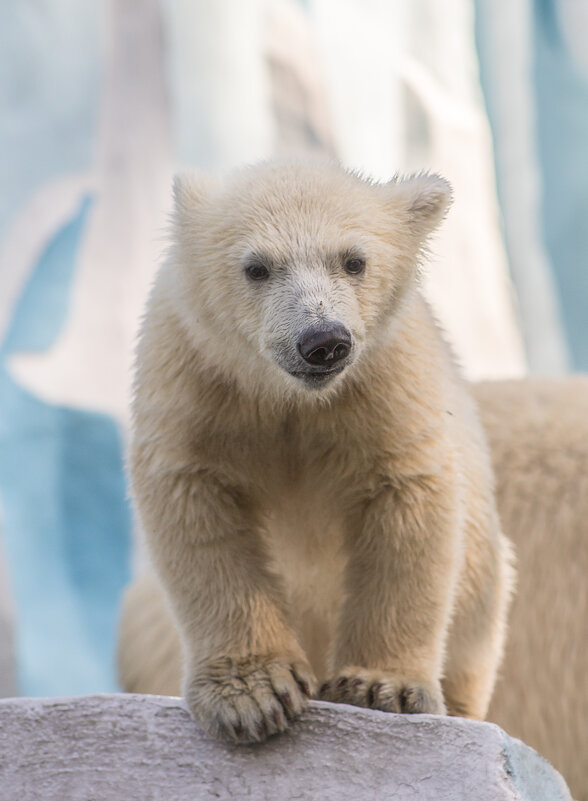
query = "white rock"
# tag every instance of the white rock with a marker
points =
(148, 748)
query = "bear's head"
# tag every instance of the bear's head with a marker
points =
(286, 274)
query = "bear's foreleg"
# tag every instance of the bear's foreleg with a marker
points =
(245, 674)
(404, 554)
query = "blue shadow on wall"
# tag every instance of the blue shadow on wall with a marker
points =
(66, 521)
(562, 135)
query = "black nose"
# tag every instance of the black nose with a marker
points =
(324, 344)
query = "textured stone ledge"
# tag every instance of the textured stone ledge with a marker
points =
(147, 748)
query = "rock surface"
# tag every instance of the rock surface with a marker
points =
(147, 748)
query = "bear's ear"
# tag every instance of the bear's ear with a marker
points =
(191, 191)
(424, 198)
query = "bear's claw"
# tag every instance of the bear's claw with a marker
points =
(247, 700)
(387, 691)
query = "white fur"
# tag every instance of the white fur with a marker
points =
(341, 526)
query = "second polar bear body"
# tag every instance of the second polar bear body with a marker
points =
(315, 507)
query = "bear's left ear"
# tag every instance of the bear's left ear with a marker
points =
(192, 191)
(422, 199)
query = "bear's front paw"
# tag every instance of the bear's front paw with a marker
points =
(246, 700)
(379, 689)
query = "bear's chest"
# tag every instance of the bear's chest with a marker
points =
(303, 537)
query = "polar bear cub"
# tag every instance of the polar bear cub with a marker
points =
(306, 463)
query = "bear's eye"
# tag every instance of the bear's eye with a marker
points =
(354, 265)
(257, 271)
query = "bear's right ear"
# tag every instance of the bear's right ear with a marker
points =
(423, 198)
(191, 191)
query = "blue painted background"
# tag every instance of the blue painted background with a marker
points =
(561, 91)
(66, 519)
(558, 94)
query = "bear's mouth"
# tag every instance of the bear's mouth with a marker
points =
(317, 377)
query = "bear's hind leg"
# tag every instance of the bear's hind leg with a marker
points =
(467, 690)
(478, 631)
